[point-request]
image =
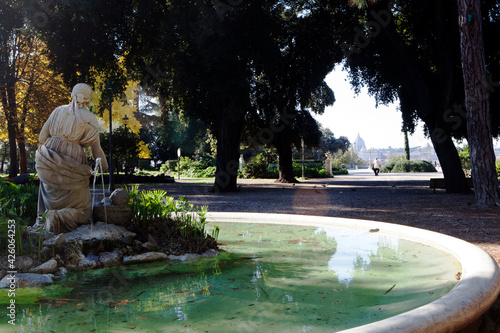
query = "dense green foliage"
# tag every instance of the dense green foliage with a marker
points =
(412, 50)
(17, 203)
(202, 167)
(340, 158)
(259, 167)
(175, 224)
(257, 62)
(464, 155)
(126, 146)
(309, 172)
(263, 63)
(331, 144)
(401, 166)
(165, 136)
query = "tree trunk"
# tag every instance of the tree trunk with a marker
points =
(421, 90)
(407, 143)
(23, 163)
(21, 139)
(228, 133)
(13, 151)
(285, 161)
(482, 155)
(8, 100)
(447, 154)
(21, 143)
(4, 156)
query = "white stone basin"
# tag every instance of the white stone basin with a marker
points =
(478, 288)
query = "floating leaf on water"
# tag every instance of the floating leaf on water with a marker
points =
(122, 302)
(389, 290)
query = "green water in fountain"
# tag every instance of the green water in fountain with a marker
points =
(271, 279)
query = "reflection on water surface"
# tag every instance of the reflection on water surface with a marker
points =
(271, 278)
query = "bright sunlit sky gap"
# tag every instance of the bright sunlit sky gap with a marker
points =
(379, 127)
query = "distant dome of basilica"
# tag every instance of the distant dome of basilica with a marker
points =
(359, 143)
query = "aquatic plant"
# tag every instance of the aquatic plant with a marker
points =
(170, 221)
(18, 203)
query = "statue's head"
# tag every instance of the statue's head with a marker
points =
(82, 93)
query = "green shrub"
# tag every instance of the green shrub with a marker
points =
(402, 166)
(197, 172)
(257, 167)
(18, 203)
(387, 167)
(342, 171)
(185, 164)
(413, 166)
(497, 163)
(202, 167)
(391, 162)
(464, 155)
(170, 220)
(168, 167)
(207, 160)
(309, 172)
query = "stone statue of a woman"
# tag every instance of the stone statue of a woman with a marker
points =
(62, 165)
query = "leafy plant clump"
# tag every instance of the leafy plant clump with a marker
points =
(202, 167)
(18, 203)
(175, 225)
(464, 155)
(258, 167)
(402, 166)
(342, 171)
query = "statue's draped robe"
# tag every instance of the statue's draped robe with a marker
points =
(63, 170)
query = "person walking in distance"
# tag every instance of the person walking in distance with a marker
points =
(376, 166)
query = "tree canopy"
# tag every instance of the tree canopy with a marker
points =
(411, 50)
(263, 63)
(204, 59)
(29, 89)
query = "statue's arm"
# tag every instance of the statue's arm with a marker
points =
(44, 133)
(97, 152)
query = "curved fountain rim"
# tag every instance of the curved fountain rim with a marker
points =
(476, 291)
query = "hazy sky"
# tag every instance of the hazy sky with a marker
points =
(378, 127)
